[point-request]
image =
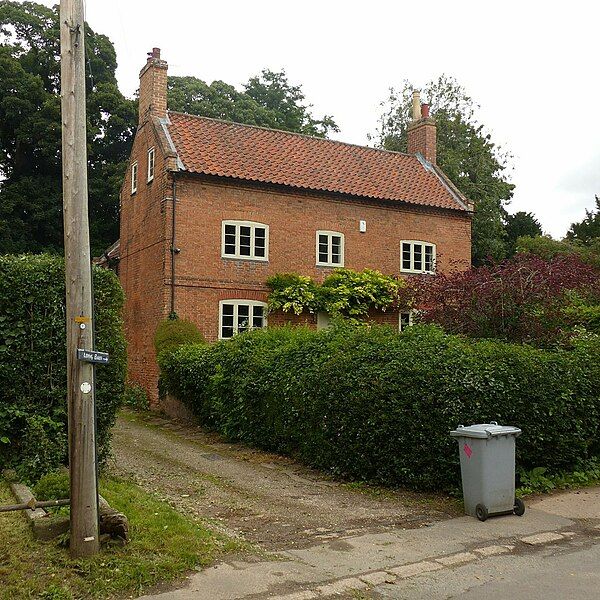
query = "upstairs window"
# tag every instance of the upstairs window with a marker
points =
(150, 165)
(237, 316)
(245, 240)
(134, 177)
(330, 249)
(417, 257)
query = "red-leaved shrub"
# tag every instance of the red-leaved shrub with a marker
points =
(521, 299)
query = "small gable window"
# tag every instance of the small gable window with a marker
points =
(237, 316)
(245, 240)
(417, 257)
(330, 249)
(150, 164)
(134, 177)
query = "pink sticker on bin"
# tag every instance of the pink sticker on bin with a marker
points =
(468, 450)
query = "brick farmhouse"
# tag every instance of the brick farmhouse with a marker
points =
(210, 209)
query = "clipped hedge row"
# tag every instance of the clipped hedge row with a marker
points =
(372, 404)
(33, 408)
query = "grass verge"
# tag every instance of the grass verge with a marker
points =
(164, 546)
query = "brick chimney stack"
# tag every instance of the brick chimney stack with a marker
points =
(153, 87)
(422, 130)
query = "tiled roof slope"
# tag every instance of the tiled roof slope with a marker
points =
(226, 149)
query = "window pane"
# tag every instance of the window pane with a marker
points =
(336, 252)
(406, 256)
(245, 241)
(323, 239)
(323, 257)
(418, 257)
(258, 317)
(227, 320)
(429, 258)
(259, 241)
(229, 239)
(404, 320)
(243, 319)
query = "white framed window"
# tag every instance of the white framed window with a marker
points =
(330, 249)
(417, 257)
(151, 158)
(245, 239)
(237, 316)
(405, 319)
(134, 176)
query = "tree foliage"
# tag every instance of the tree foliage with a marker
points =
(587, 231)
(548, 248)
(518, 225)
(267, 100)
(465, 152)
(30, 131)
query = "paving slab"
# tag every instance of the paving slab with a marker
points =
(375, 552)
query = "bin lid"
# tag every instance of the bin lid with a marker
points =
(485, 430)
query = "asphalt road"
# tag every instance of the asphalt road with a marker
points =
(566, 573)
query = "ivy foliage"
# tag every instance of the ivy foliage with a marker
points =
(345, 293)
(372, 404)
(33, 408)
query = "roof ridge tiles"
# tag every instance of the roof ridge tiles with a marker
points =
(292, 133)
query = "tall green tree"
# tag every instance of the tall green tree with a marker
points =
(587, 231)
(465, 151)
(518, 225)
(268, 100)
(30, 132)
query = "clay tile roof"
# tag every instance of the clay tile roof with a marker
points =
(226, 149)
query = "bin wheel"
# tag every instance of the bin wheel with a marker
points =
(519, 508)
(481, 512)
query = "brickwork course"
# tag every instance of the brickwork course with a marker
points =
(294, 184)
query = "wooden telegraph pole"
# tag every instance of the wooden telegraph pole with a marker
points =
(80, 374)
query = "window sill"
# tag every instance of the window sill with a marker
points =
(245, 259)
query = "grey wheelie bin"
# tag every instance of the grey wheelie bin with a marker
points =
(487, 465)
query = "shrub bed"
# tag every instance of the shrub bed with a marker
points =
(33, 409)
(372, 404)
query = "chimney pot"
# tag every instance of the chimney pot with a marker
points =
(416, 105)
(425, 111)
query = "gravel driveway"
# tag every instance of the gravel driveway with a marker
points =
(262, 498)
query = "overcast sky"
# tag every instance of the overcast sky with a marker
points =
(531, 65)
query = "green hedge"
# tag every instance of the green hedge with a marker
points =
(372, 404)
(33, 410)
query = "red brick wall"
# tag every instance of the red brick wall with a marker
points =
(203, 278)
(422, 138)
(144, 248)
